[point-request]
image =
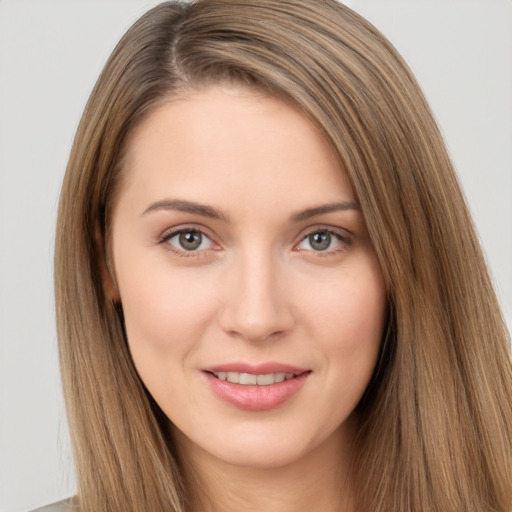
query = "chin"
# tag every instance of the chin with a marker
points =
(260, 446)
(266, 457)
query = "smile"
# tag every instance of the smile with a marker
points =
(256, 388)
(249, 379)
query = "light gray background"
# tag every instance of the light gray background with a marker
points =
(50, 55)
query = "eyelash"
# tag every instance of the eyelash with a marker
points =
(168, 235)
(344, 240)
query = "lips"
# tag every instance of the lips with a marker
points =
(256, 387)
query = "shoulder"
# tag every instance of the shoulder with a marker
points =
(61, 506)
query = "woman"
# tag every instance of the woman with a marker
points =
(269, 291)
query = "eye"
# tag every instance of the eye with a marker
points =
(323, 240)
(188, 240)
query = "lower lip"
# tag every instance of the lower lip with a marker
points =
(256, 398)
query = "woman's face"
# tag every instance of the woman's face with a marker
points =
(253, 300)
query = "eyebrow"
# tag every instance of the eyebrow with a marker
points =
(213, 213)
(326, 208)
(187, 207)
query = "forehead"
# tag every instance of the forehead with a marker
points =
(225, 139)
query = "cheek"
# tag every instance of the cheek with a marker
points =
(354, 302)
(349, 321)
(166, 320)
(165, 310)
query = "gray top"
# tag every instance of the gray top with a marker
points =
(60, 506)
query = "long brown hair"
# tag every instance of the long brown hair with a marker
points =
(436, 419)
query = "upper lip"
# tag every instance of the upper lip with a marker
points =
(256, 369)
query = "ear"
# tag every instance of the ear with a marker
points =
(109, 283)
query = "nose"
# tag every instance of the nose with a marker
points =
(256, 306)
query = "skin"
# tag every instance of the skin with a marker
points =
(256, 290)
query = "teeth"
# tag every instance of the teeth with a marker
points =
(248, 379)
(265, 380)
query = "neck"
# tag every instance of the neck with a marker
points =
(317, 481)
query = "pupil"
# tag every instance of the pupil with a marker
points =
(190, 240)
(320, 241)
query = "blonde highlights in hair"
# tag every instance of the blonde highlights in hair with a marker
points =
(436, 420)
